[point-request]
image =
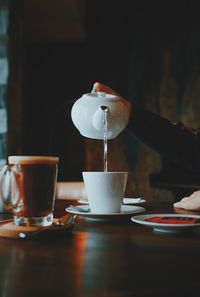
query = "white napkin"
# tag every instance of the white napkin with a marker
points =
(190, 203)
(70, 190)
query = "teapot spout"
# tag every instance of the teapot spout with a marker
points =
(99, 117)
(104, 108)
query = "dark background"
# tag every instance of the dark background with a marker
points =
(148, 51)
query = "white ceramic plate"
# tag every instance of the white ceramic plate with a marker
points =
(126, 211)
(167, 227)
(125, 201)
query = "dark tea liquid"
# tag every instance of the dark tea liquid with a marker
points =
(36, 182)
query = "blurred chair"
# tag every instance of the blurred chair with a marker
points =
(178, 180)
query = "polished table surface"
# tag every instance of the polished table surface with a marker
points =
(102, 259)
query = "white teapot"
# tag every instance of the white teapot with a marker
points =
(88, 114)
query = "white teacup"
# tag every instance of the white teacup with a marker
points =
(105, 190)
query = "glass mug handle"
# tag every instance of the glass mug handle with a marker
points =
(9, 191)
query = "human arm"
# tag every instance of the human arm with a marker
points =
(174, 142)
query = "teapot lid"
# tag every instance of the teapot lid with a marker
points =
(102, 95)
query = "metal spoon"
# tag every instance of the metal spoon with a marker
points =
(78, 208)
(66, 220)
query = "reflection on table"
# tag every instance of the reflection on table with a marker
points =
(119, 258)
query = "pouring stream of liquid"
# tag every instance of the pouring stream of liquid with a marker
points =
(105, 140)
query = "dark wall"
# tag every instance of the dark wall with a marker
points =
(54, 75)
(148, 51)
(57, 72)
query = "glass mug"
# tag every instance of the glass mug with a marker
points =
(27, 188)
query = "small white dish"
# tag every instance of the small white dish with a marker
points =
(137, 200)
(167, 227)
(126, 201)
(126, 211)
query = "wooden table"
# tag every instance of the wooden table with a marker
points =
(102, 259)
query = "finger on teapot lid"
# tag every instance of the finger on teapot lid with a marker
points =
(94, 89)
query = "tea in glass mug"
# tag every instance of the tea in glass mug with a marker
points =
(27, 188)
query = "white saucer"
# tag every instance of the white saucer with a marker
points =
(125, 201)
(126, 211)
(166, 227)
